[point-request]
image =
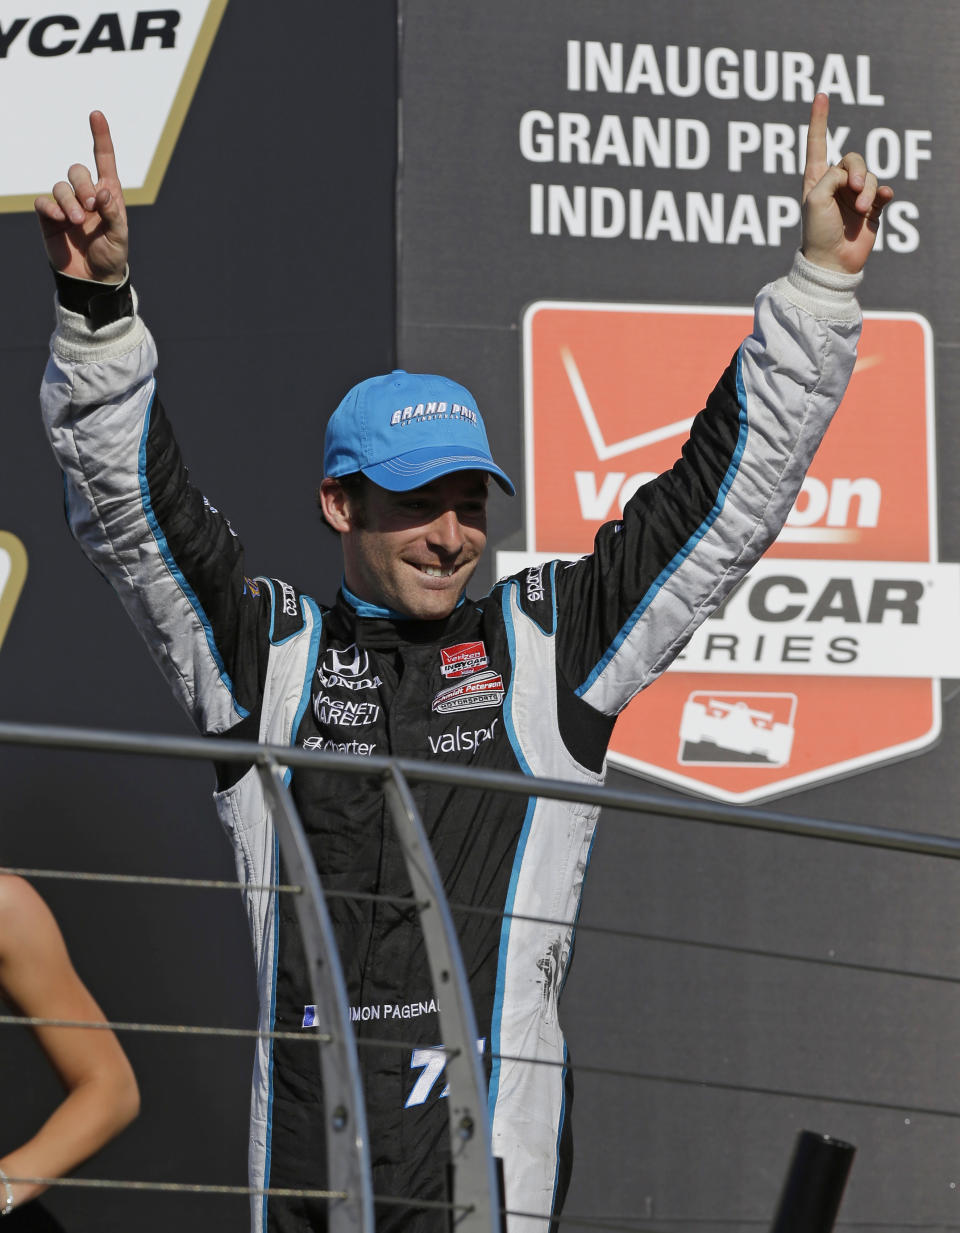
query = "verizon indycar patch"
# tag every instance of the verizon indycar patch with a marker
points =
(482, 689)
(463, 659)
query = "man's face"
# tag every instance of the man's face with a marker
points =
(416, 551)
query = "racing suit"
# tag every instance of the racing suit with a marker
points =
(530, 678)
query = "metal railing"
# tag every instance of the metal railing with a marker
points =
(475, 1200)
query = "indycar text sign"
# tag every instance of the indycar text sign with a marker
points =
(138, 63)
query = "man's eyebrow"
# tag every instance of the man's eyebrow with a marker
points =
(478, 487)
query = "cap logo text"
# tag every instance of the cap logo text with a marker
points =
(423, 412)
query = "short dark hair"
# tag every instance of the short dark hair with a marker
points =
(355, 485)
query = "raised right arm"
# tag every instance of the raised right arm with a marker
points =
(172, 558)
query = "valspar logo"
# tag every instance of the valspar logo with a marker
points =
(13, 571)
(827, 659)
(137, 62)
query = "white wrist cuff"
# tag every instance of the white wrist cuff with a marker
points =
(827, 294)
(75, 338)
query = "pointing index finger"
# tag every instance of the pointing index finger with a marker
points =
(816, 164)
(103, 153)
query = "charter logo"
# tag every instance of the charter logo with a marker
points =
(137, 62)
(827, 658)
(13, 571)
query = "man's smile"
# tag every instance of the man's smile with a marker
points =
(436, 571)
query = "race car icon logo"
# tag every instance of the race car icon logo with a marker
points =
(482, 689)
(737, 728)
(463, 659)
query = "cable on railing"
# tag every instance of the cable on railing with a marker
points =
(370, 1042)
(610, 1224)
(467, 909)
(163, 1029)
(613, 1224)
(141, 879)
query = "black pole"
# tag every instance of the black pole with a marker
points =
(814, 1184)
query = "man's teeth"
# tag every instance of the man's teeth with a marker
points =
(436, 571)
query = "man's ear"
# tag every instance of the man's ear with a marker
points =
(335, 504)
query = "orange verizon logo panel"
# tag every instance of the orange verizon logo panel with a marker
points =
(826, 659)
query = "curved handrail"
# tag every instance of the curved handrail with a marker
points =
(348, 1143)
(474, 1180)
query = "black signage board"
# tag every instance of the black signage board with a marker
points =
(648, 157)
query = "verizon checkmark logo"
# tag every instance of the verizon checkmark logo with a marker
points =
(838, 509)
(679, 428)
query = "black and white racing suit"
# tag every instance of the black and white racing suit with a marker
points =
(529, 678)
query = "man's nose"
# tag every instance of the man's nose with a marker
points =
(445, 532)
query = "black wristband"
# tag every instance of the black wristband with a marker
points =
(100, 303)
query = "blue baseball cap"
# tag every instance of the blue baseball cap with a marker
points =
(404, 429)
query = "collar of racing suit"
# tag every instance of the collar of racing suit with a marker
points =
(344, 621)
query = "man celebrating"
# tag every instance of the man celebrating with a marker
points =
(529, 678)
